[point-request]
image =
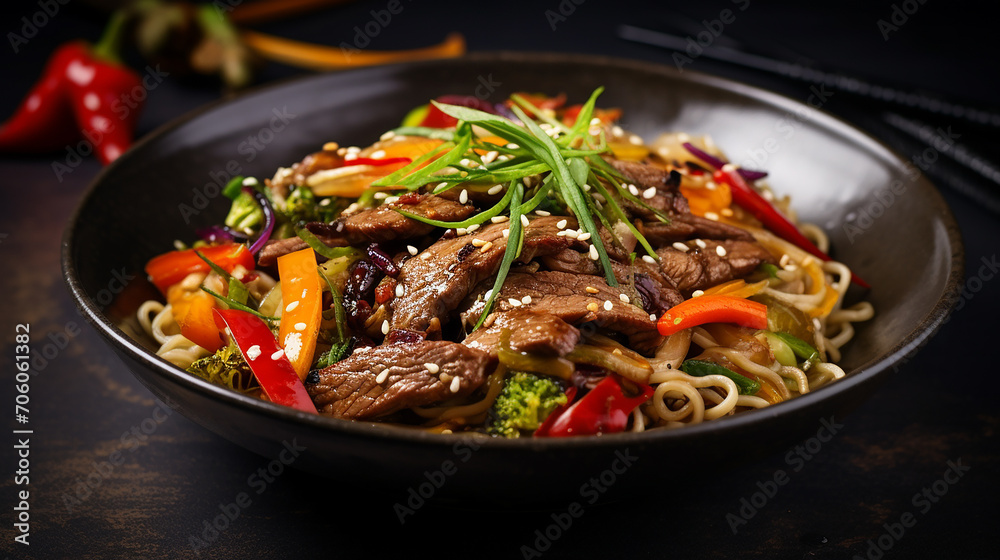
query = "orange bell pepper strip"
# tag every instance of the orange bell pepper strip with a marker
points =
(713, 309)
(302, 297)
(170, 268)
(193, 313)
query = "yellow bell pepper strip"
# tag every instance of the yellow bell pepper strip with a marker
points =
(272, 369)
(170, 268)
(193, 313)
(713, 309)
(302, 296)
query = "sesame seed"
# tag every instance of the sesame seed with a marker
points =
(442, 185)
(378, 154)
(488, 294)
(472, 228)
(464, 161)
(720, 250)
(595, 121)
(425, 255)
(592, 290)
(680, 246)
(277, 355)
(617, 131)
(561, 233)
(399, 290)
(652, 317)
(490, 156)
(293, 345)
(726, 212)
(444, 377)
(495, 189)
(593, 253)
(592, 307)
(387, 135)
(572, 233)
(524, 220)
(324, 202)
(561, 224)
(478, 242)
(456, 384)
(432, 367)
(697, 293)
(649, 193)
(353, 149)
(608, 305)
(385, 326)
(634, 190)
(461, 231)
(700, 243)
(586, 187)
(351, 156)
(499, 219)
(380, 195)
(392, 200)
(514, 302)
(464, 196)
(584, 236)
(542, 213)
(412, 250)
(624, 298)
(710, 185)
(526, 300)
(253, 352)
(712, 216)
(300, 326)
(506, 233)
(291, 306)
(617, 351)
(304, 292)
(512, 146)
(650, 259)
(487, 246)
(635, 140)
(783, 261)
(382, 376)
(250, 182)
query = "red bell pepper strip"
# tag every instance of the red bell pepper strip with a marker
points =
(170, 268)
(376, 162)
(101, 90)
(44, 120)
(435, 118)
(713, 309)
(604, 410)
(751, 201)
(270, 366)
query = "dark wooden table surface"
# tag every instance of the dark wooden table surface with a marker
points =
(113, 473)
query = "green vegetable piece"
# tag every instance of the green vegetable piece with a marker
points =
(701, 368)
(426, 132)
(233, 187)
(782, 352)
(227, 368)
(322, 248)
(769, 269)
(801, 348)
(523, 404)
(416, 115)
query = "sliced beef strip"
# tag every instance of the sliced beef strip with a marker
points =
(668, 198)
(657, 291)
(536, 333)
(566, 296)
(378, 224)
(683, 227)
(699, 268)
(351, 389)
(434, 286)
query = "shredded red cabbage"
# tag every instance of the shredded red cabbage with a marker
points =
(382, 260)
(220, 233)
(265, 205)
(748, 174)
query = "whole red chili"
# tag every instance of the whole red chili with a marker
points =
(81, 83)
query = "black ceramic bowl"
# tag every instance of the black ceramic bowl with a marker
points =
(892, 229)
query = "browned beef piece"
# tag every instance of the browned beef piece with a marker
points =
(318, 161)
(683, 227)
(700, 268)
(434, 286)
(657, 291)
(668, 198)
(378, 224)
(576, 299)
(536, 333)
(351, 388)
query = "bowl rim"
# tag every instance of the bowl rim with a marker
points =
(819, 118)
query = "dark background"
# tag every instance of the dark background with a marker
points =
(939, 407)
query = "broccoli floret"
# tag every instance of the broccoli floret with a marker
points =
(245, 214)
(523, 404)
(227, 368)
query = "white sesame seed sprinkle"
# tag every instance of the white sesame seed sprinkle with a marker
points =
(514, 302)
(720, 250)
(487, 246)
(680, 246)
(512, 146)
(456, 384)
(495, 189)
(378, 154)
(524, 220)
(652, 317)
(432, 367)
(461, 231)
(526, 300)
(584, 236)
(499, 219)
(300, 326)
(291, 306)
(382, 376)
(490, 156)
(697, 293)
(635, 140)
(351, 156)
(277, 355)
(624, 298)
(425, 255)
(385, 326)
(399, 290)
(649, 193)
(700, 243)
(593, 253)
(712, 216)
(478, 242)
(463, 197)
(392, 200)
(650, 259)
(506, 233)
(592, 290)
(250, 182)
(572, 234)
(412, 250)
(608, 305)
(595, 121)
(634, 190)
(472, 228)
(592, 306)
(442, 185)
(387, 136)
(380, 195)
(542, 213)
(304, 292)
(253, 352)
(561, 224)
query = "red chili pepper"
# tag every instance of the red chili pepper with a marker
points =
(712, 309)
(751, 201)
(44, 120)
(435, 118)
(170, 268)
(604, 410)
(267, 360)
(85, 84)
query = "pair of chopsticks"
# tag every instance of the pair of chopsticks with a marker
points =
(905, 134)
